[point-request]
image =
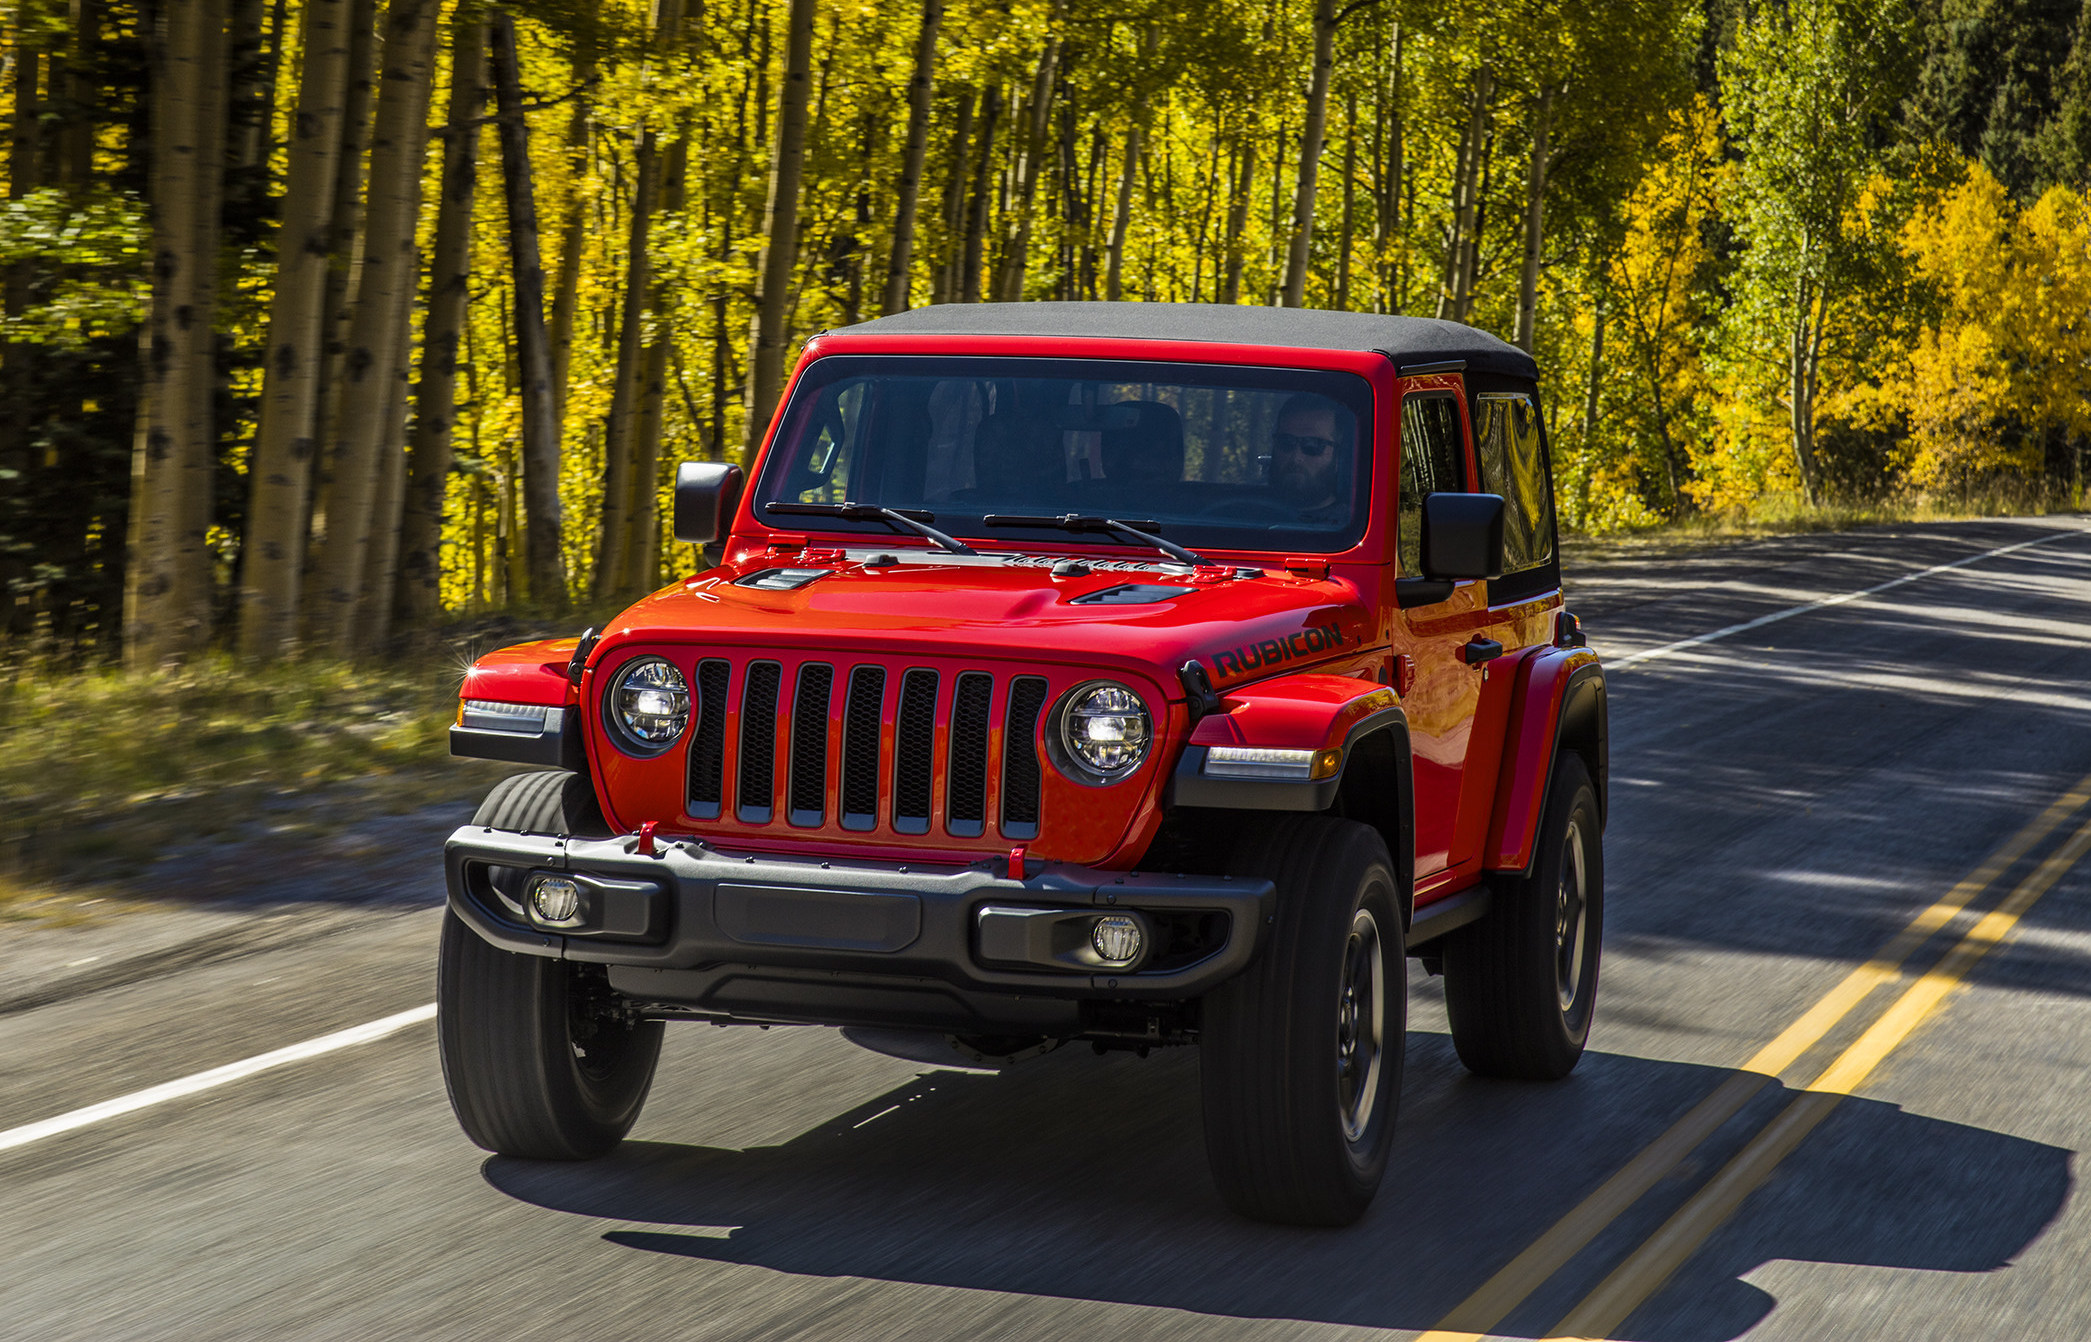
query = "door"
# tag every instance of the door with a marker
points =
(1442, 698)
(1517, 610)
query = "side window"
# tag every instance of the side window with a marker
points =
(1432, 461)
(1512, 457)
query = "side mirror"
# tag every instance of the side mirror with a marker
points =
(1462, 536)
(706, 494)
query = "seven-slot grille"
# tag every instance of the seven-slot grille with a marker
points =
(858, 745)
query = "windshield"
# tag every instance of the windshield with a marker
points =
(1207, 455)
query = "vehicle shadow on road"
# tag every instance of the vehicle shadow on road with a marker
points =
(1085, 1178)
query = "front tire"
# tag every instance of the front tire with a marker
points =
(539, 1060)
(1521, 982)
(1300, 1056)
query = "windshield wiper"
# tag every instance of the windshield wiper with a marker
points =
(903, 519)
(1143, 531)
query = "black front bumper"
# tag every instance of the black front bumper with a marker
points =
(761, 937)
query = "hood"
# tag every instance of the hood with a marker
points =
(1131, 613)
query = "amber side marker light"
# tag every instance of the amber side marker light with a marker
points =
(1301, 766)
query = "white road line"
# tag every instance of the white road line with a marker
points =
(216, 1076)
(1649, 655)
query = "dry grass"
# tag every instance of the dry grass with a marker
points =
(102, 769)
(1789, 515)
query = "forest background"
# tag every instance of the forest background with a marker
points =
(327, 321)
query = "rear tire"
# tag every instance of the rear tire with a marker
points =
(1300, 1056)
(1521, 982)
(538, 1060)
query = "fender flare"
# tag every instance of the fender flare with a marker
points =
(1374, 734)
(1559, 702)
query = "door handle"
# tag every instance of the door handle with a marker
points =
(1478, 650)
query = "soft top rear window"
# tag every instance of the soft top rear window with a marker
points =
(1216, 456)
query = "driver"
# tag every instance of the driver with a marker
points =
(1307, 467)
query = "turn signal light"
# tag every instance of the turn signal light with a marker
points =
(1301, 766)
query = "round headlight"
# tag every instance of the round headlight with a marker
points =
(648, 706)
(1105, 730)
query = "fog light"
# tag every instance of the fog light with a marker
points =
(554, 899)
(1117, 939)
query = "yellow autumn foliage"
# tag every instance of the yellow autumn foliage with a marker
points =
(2002, 367)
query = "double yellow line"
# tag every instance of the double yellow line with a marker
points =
(1646, 1269)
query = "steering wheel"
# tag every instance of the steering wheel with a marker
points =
(1251, 507)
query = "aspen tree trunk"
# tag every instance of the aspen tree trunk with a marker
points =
(345, 246)
(544, 562)
(770, 329)
(944, 280)
(1597, 364)
(1205, 209)
(1535, 220)
(1470, 262)
(1801, 400)
(1122, 209)
(1311, 137)
(199, 490)
(573, 233)
(641, 560)
(375, 360)
(921, 89)
(625, 479)
(166, 591)
(1122, 204)
(374, 602)
(1456, 295)
(1350, 198)
(983, 191)
(418, 596)
(617, 430)
(1456, 238)
(1074, 218)
(1016, 249)
(1238, 219)
(273, 550)
(1389, 231)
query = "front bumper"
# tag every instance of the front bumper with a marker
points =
(852, 942)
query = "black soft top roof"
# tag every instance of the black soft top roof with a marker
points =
(1406, 340)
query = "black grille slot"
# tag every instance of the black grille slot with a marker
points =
(708, 747)
(914, 746)
(1027, 695)
(861, 721)
(758, 781)
(809, 744)
(965, 813)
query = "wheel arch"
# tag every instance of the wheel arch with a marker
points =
(1374, 783)
(1377, 787)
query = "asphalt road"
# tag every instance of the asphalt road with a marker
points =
(1785, 801)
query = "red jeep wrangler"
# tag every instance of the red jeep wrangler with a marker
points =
(1137, 674)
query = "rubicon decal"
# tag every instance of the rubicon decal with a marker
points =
(1308, 642)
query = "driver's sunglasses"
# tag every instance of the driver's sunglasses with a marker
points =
(1305, 446)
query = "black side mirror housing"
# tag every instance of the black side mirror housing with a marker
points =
(1462, 536)
(706, 494)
